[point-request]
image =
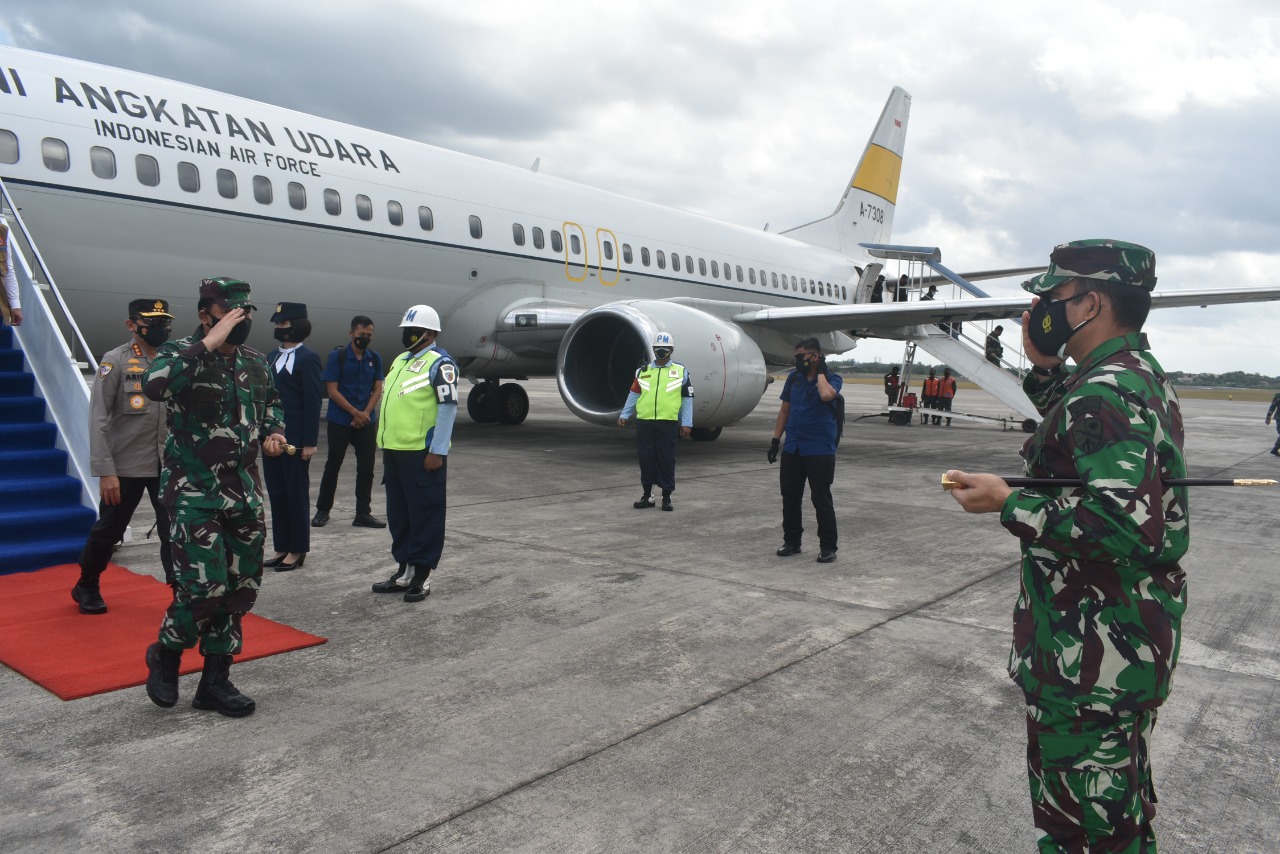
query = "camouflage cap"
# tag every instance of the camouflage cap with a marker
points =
(1102, 259)
(232, 292)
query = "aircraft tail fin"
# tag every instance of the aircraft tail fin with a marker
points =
(865, 212)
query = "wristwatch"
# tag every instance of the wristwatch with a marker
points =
(1046, 372)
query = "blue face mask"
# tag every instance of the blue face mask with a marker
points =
(1047, 327)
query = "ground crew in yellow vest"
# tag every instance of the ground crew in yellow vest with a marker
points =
(415, 423)
(661, 401)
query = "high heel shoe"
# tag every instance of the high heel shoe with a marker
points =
(274, 562)
(285, 567)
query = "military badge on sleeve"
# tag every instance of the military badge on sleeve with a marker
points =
(105, 369)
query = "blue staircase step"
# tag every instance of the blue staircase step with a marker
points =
(18, 410)
(11, 361)
(25, 437)
(17, 384)
(45, 523)
(6, 336)
(34, 463)
(29, 493)
(37, 554)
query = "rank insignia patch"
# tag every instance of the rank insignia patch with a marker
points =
(105, 369)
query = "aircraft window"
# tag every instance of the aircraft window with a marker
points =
(702, 266)
(227, 186)
(626, 254)
(332, 202)
(738, 270)
(364, 207)
(517, 233)
(425, 218)
(188, 176)
(793, 283)
(675, 261)
(148, 170)
(844, 294)
(715, 270)
(774, 276)
(538, 240)
(575, 245)
(608, 250)
(395, 213)
(477, 228)
(662, 259)
(8, 147)
(262, 191)
(751, 272)
(297, 196)
(56, 156)
(557, 244)
(644, 256)
(829, 293)
(688, 263)
(103, 161)
(804, 287)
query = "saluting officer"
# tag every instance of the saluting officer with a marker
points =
(661, 399)
(414, 428)
(126, 441)
(221, 406)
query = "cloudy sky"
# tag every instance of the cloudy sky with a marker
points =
(1032, 123)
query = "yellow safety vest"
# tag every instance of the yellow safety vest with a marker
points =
(409, 403)
(660, 391)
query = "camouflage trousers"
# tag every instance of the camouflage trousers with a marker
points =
(217, 559)
(1090, 775)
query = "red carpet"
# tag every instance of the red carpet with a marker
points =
(44, 636)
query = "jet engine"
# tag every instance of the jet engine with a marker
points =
(603, 348)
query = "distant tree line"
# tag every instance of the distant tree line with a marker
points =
(1231, 379)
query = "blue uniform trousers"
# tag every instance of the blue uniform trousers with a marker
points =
(656, 447)
(415, 507)
(288, 484)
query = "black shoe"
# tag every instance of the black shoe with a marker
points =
(390, 586)
(274, 562)
(788, 550)
(216, 693)
(320, 519)
(420, 586)
(1275, 453)
(644, 502)
(162, 674)
(89, 599)
(367, 520)
(827, 556)
(286, 567)
(666, 500)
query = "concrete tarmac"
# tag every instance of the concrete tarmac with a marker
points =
(586, 677)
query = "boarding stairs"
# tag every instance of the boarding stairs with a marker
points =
(48, 500)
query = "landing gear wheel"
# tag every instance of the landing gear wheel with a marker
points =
(1029, 425)
(513, 404)
(705, 434)
(482, 403)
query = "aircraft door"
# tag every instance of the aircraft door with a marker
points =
(575, 252)
(607, 256)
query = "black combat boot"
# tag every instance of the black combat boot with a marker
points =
(215, 691)
(391, 585)
(162, 674)
(644, 502)
(666, 500)
(420, 586)
(88, 598)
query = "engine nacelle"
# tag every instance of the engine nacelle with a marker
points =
(602, 349)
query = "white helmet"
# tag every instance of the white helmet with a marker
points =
(664, 339)
(422, 317)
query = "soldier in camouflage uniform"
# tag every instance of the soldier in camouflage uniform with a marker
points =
(1097, 627)
(220, 405)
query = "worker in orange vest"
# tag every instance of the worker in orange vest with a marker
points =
(929, 396)
(946, 393)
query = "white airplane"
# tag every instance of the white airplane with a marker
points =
(133, 185)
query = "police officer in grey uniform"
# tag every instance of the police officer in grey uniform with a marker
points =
(126, 441)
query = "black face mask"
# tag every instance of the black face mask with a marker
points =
(283, 334)
(239, 333)
(803, 363)
(361, 342)
(1048, 328)
(153, 335)
(411, 335)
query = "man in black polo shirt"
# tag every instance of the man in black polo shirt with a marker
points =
(353, 380)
